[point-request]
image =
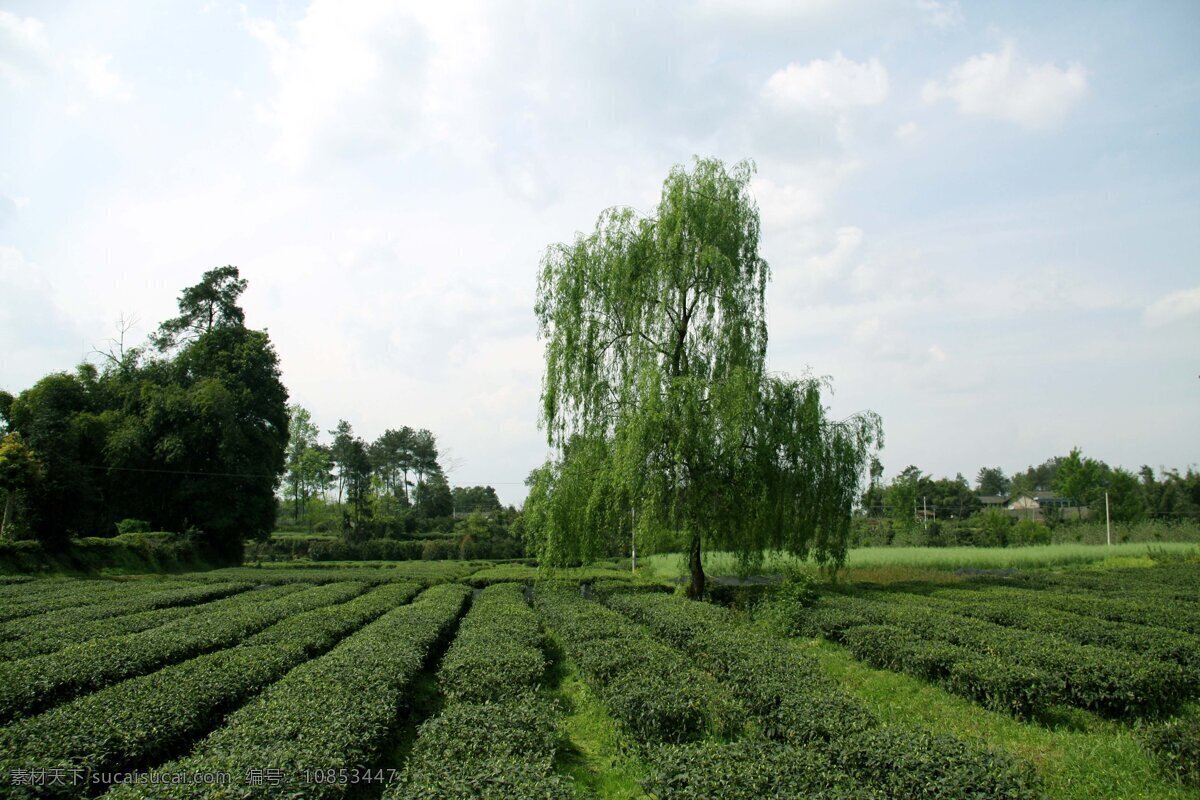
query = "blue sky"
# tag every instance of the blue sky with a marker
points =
(983, 220)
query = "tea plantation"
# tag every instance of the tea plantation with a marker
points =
(471, 679)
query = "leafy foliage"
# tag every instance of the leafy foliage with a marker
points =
(1176, 745)
(657, 396)
(497, 736)
(794, 704)
(54, 630)
(1006, 668)
(31, 684)
(652, 689)
(497, 651)
(203, 423)
(495, 750)
(144, 719)
(331, 713)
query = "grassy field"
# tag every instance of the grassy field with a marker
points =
(673, 565)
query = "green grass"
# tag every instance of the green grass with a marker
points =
(597, 755)
(671, 565)
(1079, 755)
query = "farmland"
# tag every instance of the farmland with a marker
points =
(477, 679)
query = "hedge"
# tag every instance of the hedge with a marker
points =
(651, 689)
(29, 685)
(1175, 744)
(796, 705)
(497, 651)
(327, 715)
(54, 630)
(1100, 679)
(145, 719)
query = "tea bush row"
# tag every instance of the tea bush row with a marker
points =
(797, 707)
(25, 634)
(495, 750)
(1175, 744)
(143, 720)
(32, 684)
(329, 714)
(1122, 609)
(1160, 644)
(651, 689)
(70, 595)
(993, 661)
(497, 737)
(497, 651)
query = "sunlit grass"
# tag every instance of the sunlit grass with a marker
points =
(1082, 756)
(673, 565)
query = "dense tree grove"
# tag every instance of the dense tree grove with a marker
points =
(188, 434)
(656, 393)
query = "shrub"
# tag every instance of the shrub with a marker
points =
(486, 750)
(1176, 746)
(497, 652)
(32, 684)
(652, 689)
(329, 714)
(1028, 532)
(745, 770)
(145, 719)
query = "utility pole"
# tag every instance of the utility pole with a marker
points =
(1107, 520)
(924, 514)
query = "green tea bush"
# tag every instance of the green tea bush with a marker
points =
(31, 684)
(329, 714)
(621, 661)
(906, 763)
(1160, 644)
(793, 703)
(75, 594)
(497, 651)
(497, 750)
(146, 719)
(1175, 744)
(749, 769)
(1100, 679)
(131, 601)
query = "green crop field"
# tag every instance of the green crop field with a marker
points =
(955, 674)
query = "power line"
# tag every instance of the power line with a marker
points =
(183, 472)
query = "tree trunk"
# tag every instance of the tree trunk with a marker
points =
(7, 511)
(696, 587)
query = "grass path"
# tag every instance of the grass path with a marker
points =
(1078, 755)
(598, 755)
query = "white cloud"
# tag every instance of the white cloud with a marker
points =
(100, 79)
(941, 15)
(23, 48)
(1004, 86)
(907, 131)
(827, 87)
(1173, 307)
(373, 78)
(830, 265)
(26, 55)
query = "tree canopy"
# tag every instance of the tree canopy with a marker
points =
(191, 435)
(656, 343)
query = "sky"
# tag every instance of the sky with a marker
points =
(982, 219)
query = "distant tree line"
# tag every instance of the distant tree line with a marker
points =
(1077, 480)
(187, 433)
(392, 488)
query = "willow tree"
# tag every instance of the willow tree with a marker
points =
(656, 344)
